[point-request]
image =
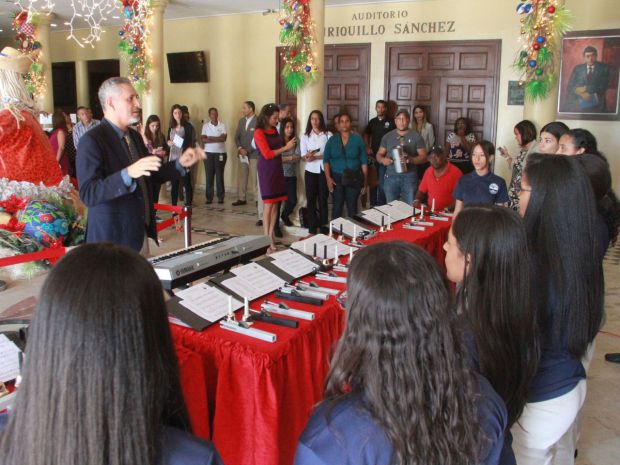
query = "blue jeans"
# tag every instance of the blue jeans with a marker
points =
(344, 194)
(400, 186)
(380, 196)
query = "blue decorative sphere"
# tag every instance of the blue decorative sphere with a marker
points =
(533, 63)
(540, 39)
(36, 45)
(121, 33)
(527, 8)
(136, 78)
(308, 68)
(287, 25)
(135, 48)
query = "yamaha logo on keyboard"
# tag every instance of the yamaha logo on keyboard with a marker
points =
(184, 270)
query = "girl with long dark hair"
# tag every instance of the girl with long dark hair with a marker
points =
(525, 133)
(290, 162)
(549, 139)
(481, 186)
(58, 139)
(487, 256)
(312, 146)
(401, 390)
(156, 144)
(270, 173)
(100, 380)
(180, 130)
(577, 142)
(557, 203)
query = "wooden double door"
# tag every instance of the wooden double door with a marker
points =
(450, 79)
(347, 83)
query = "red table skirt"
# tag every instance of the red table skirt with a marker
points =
(260, 395)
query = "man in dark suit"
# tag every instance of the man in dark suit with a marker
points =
(588, 84)
(114, 171)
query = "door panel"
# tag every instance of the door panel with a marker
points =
(450, 79)
(347, 85)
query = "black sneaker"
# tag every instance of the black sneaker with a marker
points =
(236, 203)
(208, 202)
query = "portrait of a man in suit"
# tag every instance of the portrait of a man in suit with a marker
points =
(588, 83)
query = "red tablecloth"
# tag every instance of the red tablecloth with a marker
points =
(432, 239)
(260, 395)
(193, 383)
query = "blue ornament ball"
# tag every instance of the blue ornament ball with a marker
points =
(527, 8)
(36, 45)
(128, 13)
(121, 33)
(136, 78)
(135, 49)
(540, 39)
(533, 63)
(287, 25)
(308, 68)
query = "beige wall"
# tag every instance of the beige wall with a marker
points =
(241, 56)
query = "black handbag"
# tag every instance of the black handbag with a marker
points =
(351, 177)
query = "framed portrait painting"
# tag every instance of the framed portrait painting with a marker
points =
(589, 75)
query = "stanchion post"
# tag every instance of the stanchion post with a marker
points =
(187, 225)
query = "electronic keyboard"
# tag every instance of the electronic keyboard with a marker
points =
(183, 266)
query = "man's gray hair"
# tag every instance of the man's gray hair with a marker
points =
(110, 86)
(402, 111)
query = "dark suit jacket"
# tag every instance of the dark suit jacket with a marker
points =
(115, 211)
(598, 86)
(243, 137)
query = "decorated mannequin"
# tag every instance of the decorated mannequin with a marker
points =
(38, 207)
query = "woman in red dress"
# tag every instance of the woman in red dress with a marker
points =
(270, 174)
(58, 139)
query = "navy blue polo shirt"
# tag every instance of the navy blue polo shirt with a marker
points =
(487, 189)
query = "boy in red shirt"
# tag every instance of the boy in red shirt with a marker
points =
(438, 182)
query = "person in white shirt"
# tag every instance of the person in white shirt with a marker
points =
(85, 115)
(214, 137)
(312, 144)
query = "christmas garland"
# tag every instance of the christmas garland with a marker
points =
(297, 35)
(133, 45)
(25, 27)
(543, 23)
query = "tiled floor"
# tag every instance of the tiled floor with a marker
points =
(600, 437)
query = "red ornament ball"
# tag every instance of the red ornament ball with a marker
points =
(282, 22)
(293, 53)
(551, 9)
(536, 46)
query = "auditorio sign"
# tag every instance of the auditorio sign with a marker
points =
(391, 22)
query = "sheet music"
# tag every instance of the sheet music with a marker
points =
(347, 227)
(321, 240)
(403, 207)
(293, 263)
(396, 212)
(374, 216)
(206, 301)
(9, 359)
(252, 281)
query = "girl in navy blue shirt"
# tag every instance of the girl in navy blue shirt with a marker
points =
(401, 389)
(481, 186)
(487, 256)
(557, 202)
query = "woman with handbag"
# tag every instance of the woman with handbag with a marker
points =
(346, 167)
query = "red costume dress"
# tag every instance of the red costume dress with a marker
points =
(25, 151)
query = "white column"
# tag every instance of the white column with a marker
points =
(153, 99)
(312, 96)
(81, 83)
(45, 102)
